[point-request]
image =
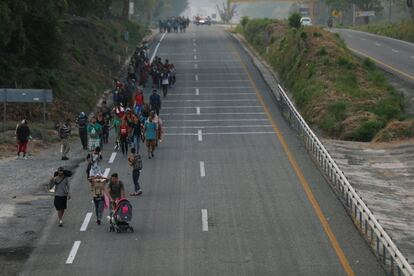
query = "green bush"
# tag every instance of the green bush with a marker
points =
(244, 20)
(367, 131)
(322, 51)
(294, 20)
(369, 64)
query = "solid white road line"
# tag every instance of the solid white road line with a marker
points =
(156, 48)
(197, 91)
(196, 77)
(204, 220)
(200, 135)
(112, 158)
(206, 127)
(202, 169)
(106, 173)
(86, 222)
(73, 252)
(198, 110)
(395, 51)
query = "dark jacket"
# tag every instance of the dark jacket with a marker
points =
(155, 101)
(23, 133)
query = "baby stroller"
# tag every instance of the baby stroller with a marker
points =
(120, 217)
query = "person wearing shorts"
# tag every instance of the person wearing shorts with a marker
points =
(62, 189)
(150, 129)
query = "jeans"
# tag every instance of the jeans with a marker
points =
(135, 140)
(135, 177)
(99, 207)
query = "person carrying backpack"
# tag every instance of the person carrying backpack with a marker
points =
(82, 122)
(135, 162)
(62, 191)
(64, 134)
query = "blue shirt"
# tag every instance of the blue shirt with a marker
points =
(150, 130)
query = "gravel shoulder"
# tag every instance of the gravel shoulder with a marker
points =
(25, 202)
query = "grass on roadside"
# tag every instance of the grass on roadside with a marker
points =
(348, 98)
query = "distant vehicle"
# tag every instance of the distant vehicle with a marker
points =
(306, 21)
(203, 20)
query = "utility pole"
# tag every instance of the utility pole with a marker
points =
(353, 14)
(389, 15)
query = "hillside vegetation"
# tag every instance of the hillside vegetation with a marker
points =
(402, 31)
(344, 96)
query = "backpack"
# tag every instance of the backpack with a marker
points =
(93, 132)
(62, 133)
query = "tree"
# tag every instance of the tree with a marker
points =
(227, 12)
(294, 20)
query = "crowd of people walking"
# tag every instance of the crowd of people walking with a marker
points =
(133, 118)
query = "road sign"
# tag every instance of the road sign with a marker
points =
(336, 13)
(364, 13)
(25, 96)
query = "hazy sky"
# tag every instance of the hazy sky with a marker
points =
(208, 7)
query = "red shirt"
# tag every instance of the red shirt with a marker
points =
(123, 129)
(139, 99)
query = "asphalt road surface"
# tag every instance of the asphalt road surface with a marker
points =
(224, 195)
(393, 55)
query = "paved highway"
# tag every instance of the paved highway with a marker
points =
(393, 55)
(231, 190)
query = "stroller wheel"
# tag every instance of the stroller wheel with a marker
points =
(118, 230)
(111, 228)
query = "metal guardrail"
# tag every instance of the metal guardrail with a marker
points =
(379, 241)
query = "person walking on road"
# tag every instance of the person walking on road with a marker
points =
(124, 131)
(22, 137)
(155, 102)
(136, 133)
(82, 122)
(64, 134)
(94, 131)
(150, 129)
(116, 123)
(62, 192)
(98, 184)
(93, 159)
(135, 162)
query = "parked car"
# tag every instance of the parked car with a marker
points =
(306, 21)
